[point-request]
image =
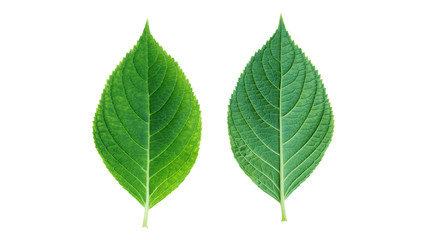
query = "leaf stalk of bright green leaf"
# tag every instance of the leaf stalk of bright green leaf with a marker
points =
(282, 207)
(144, 224)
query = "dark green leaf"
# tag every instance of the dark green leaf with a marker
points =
(280, 119)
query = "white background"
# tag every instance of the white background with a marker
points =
(55, 58)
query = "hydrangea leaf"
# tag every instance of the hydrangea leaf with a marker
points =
(280, 120)
(147, 126)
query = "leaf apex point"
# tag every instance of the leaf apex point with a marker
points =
(147, 27)
(281, 23)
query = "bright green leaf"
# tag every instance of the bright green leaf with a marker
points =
(279, 118)
(147, 126)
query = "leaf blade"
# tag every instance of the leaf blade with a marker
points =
(147, 111)
(279, 107)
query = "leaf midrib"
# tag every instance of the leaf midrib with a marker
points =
(282, 197)
(147, 189)
(282, 75)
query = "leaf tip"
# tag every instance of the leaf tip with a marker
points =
(281, 23)
(147, 27)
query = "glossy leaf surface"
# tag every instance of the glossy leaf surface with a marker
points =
(147, 127)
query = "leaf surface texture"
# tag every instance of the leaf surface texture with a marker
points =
(147, 126)
(280, 120)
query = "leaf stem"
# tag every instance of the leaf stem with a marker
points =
(144, 224)
(282, 206)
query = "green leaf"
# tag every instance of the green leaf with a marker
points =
(147, 126)
(280, 120)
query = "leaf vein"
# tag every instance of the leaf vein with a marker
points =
(317, 127)
(194, 132)
(299, 165)
(302, 124)
(302, 90)
(252, 105)
(178, 171)
(252, 150)
(253, 166)
(117, 172)
(183, 126)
